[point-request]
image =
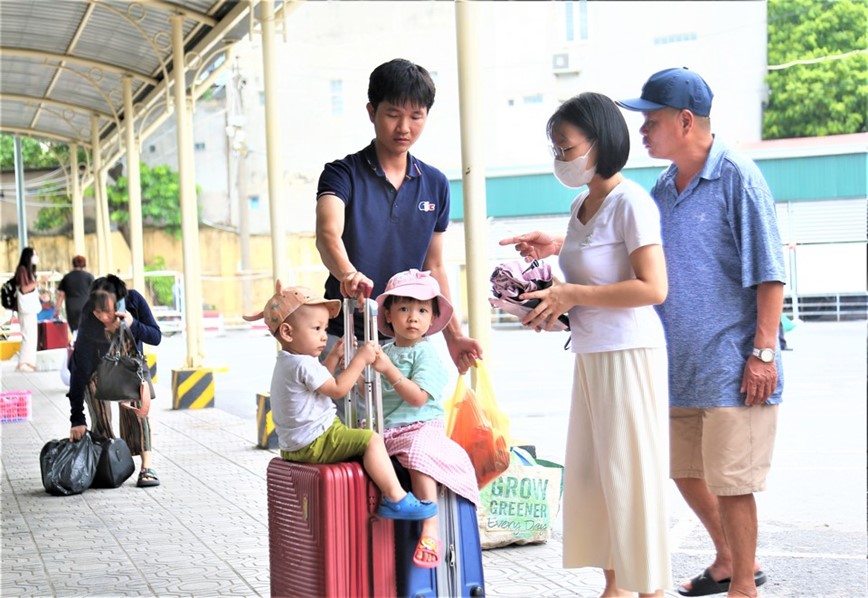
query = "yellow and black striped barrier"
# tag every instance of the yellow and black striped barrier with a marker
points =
(151, 360)
(266, 435)
(193, 388)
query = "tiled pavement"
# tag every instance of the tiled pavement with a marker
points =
(203, 532)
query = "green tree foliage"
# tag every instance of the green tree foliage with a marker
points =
(160, 288)
(35, 154)
(826, 97)
(161, 192)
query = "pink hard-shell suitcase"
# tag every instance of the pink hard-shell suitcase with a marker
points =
(324, 536)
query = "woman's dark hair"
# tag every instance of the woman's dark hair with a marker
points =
(79, 261)
(400, 81)
(104, 288)
(26, 258)
(602, 122)
(391, 300)
(26, 261)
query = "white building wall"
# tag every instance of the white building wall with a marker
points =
(333, 46)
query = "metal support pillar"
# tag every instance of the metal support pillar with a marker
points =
(134, 188)
(20, 195)
(473, 171)
(78, 238)
(272, 144)
(189, 212)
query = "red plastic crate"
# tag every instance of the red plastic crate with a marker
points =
(15, 406)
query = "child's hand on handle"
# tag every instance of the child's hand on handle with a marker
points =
(535, 245)
(368, 352)
(382, 364)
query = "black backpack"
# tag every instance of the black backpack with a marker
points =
(7, 294)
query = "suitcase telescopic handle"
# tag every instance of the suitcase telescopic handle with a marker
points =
(349, 338)
(372, 383)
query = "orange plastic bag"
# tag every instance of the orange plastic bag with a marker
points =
(476, 423)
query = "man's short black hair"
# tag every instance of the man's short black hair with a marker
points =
(602, 122)
(400, 81)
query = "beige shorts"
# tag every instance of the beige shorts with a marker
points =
(729, 447)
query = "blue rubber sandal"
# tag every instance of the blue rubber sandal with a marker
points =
(408, 508)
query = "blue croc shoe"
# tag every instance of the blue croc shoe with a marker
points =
(409, 508)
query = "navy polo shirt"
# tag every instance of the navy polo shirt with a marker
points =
(385, 231)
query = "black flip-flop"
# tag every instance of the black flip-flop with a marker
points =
(705, 585)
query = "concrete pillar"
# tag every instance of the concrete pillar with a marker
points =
(467, 14)
(189, 212)
(100, 202)
(272, 144)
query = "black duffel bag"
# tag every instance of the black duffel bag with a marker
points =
(114, 462)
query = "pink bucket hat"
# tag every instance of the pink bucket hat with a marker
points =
(418, 285)
(287, 300)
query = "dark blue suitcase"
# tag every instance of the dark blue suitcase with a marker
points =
(460, 571)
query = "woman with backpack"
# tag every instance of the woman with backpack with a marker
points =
(28, 306)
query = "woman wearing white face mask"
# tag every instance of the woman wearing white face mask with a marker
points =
(29, 305)
(617, 461)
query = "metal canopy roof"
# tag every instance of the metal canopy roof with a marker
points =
(62, 61)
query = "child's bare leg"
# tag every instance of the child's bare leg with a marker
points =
(425, 488)
(380, 468)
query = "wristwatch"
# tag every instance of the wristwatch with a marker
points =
(764, 355)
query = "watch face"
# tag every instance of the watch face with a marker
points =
(767, 355)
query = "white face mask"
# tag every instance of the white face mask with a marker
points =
(575, 173)
(34, 259)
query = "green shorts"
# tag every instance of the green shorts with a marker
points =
(338, 443)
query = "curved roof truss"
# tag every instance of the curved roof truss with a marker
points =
(62, 63)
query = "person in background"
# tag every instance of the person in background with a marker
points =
(726, 271)
(29, 306)
(615, 471)
(108, 303)
(381, 210)
(73, 291)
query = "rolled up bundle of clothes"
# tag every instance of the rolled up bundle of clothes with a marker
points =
(512, 279)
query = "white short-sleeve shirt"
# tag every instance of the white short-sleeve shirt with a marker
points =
(598, 253)
(301, 414)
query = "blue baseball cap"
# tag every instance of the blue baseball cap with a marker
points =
(673, 88)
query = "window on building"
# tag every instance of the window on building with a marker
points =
(674, 38)
(199, 147)
(336, 88)
(536, 98)
(576, 14)
(152, 149)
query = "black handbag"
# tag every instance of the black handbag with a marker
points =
(68, 467)
(114, 464)
(123, 374)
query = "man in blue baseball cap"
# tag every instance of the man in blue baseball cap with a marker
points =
(725, 264)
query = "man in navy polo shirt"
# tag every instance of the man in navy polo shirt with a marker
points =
(726, 272)
(381, 211)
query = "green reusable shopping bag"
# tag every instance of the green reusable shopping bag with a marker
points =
(522, 503)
